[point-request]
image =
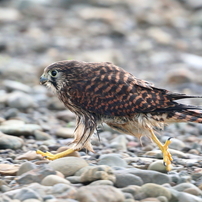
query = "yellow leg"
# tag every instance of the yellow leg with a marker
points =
(167, 158)
(50, 156)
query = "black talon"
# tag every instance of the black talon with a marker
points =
(170, 138)
(164, 163)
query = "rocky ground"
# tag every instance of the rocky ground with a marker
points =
(156, 40)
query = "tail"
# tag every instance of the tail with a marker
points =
(188, 115)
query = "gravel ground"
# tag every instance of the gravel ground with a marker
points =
(159, 41)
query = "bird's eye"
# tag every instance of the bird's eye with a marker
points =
(54, 73)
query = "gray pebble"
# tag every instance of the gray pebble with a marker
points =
(25, 167)
(99, 194)
(124, 180)
(51, 180)
(112, 160)
(68, 165)
(10, 142)
(26, 193)
(101, 182)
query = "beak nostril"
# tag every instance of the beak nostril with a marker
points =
(43, 80)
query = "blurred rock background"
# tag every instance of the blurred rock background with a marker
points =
(156, 40)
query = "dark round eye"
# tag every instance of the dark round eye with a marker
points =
(54, 73)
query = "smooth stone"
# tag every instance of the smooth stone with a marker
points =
(101, 182)
(65, 132)
(68, 165)
(13, 122)
(99, 194)
(25, 167)
(119, 143)
(112, 160)
(66, 115)
(10, 142)
(74, 179)
(9, 169)
(26, 129)
(101, 172)
(186, 186)
(124, 180)
(40, 135)
(157, 166)
(185, 197)
(30, 155)
(155, 190)
(20, 100)
(150, 176)
(63, 190)
(51, 180)
(150, 200)
(31, 200)
(27, 193)
(35, 175)
(175, 144)
(9, 15)
(15, 85)
(162, 199)
(132, 189)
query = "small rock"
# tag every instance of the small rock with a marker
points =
(16, 86)
(25, 167)
(101, 182)
(9, 169)
(26, 193)
(30, 155)
(124, 180)
(51, 180)
(150, 176)
(74, 179)
(35, 175)
(39, 135)
(20, 100)
(186, 187)
(154, 190)
(157, 166)
(31, 200)
(68, 165)
(100, 193)
(119, 143)
(9, 14)
(65, 132)
(26, 129)
(101, 172)
(10, 142)
(150, 200)
(63, 190)
(65, 115)
(185, 197)
(132, 189)
(112, 160)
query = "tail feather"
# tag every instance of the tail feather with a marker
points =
(189, 116)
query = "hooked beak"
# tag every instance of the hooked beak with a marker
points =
(43, 80)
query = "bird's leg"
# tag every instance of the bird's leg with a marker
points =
(51, 156)
(167, 158)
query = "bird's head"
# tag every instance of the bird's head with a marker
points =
(56, 74)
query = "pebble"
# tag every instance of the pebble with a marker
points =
(68, 165)
(51, 180)
(10, 142)
(157, 166)
(25, 167)
(154, 190)
(26, 129)
(35, 175)
(119, 143)
(99, 194)
(26, 193)
(8, 169)
(124, 180)
(30, 155)
(20, 100)
(101, 172)
(150, 176)
(112, 160)
(65, 132)
(101, 182)
(40, 135)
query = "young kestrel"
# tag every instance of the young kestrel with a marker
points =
(102, 92)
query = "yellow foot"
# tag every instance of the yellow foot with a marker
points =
(51, 156)
(167, 158)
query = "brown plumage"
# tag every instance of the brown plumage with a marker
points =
(103, 92)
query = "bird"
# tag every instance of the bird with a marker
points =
(101, 92)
